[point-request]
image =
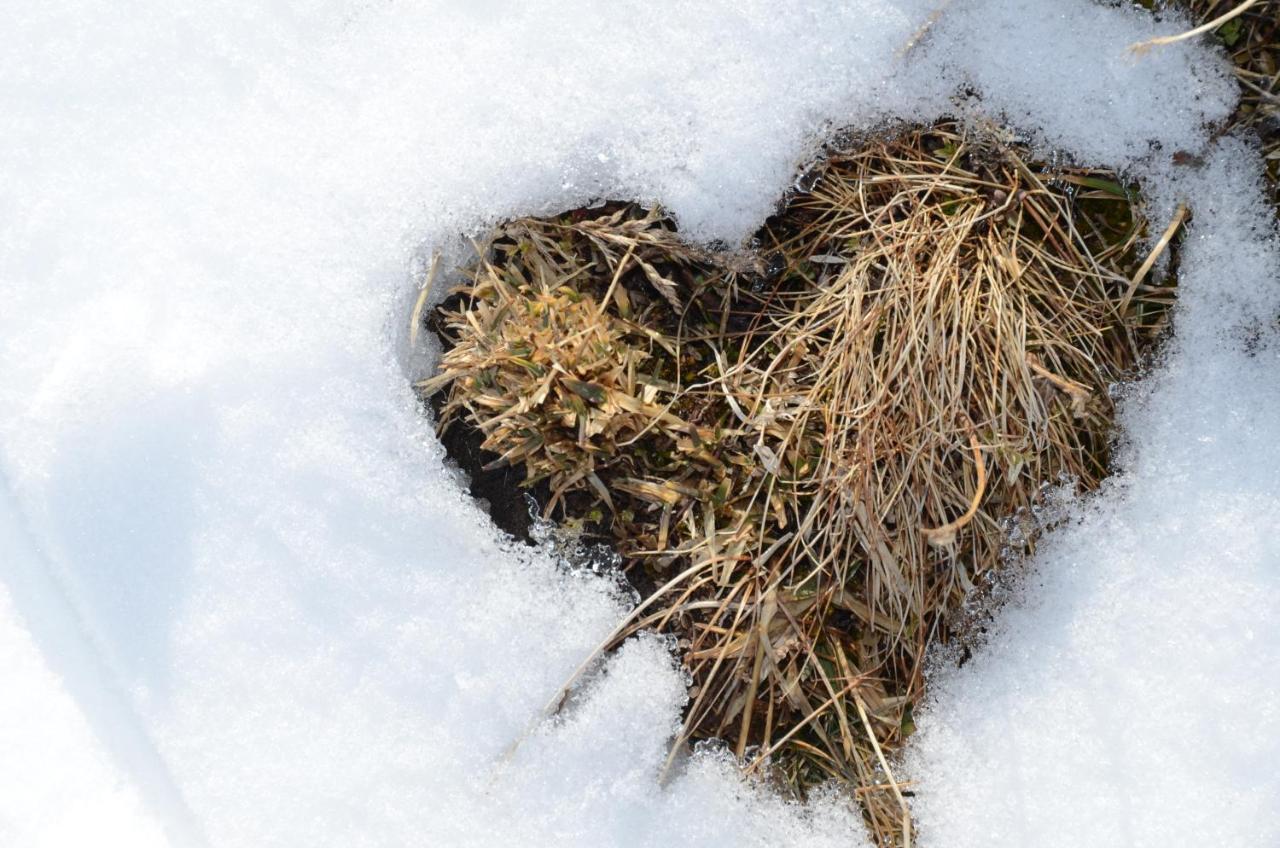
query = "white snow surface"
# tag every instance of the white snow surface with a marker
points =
(58, 783)
(242, 601)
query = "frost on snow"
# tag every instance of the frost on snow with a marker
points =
(245, 605)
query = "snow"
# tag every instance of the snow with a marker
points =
(58, 782)
(1062, 74)
(244, 596)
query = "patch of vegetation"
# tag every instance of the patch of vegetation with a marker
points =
(806, 457)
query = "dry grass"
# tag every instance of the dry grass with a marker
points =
(940, 348)
(573, 371)
(808, 457)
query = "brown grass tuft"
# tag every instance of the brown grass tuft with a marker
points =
(808, 456)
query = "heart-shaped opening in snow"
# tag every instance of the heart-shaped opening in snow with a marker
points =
(806, 456)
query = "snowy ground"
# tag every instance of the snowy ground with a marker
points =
(243, 604)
